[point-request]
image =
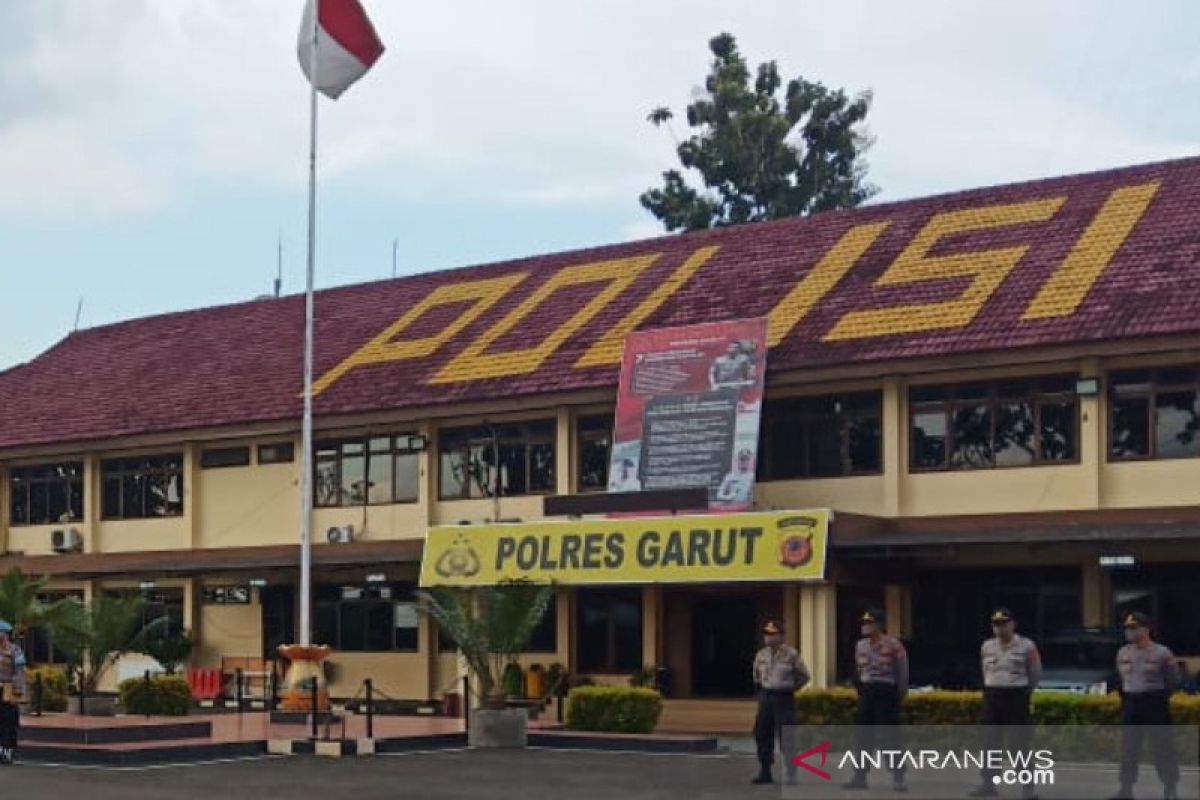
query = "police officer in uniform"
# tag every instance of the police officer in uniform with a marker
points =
(1012, 669)
(881, 669)
(12, 686)
(1149, 673)
(778, 673)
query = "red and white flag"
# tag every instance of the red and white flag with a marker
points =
(347, 45)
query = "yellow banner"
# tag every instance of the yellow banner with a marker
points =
(702, 548)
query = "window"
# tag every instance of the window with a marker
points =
(467, 460)
(1154, 413)
(376, 617)
(821, 437)
(594, 435)
(1008, 423)
(609, 629)
(225, 457)
(142, 487)
(1169, 594)
(165, 605)
(373, 470)
(545, 634)
(277, 453)
(46, 494)
(39, 643)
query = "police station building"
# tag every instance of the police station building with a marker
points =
(990, 397)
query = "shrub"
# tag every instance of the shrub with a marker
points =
(837, 706)
(47, 689)
(163, 696)
(613, 709)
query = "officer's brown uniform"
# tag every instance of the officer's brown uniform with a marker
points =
(1149, 673)
(778, 673)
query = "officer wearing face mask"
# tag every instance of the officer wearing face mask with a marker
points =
(1012, 669)
(778, 673)
(1149, 673)
(881, 665)
(12, 687)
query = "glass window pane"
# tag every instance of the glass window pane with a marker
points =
(39, 503)
(865, 444)
(1057, 384)
(353, 480)
(971, 391)
(545, 634)
(325, 490)
(598, 423)
(133, 500)
(111, 501)
(627, 621)
(970, 432)
(407, 477)
(379, 481)
(480, 476)
(381, 444)
(379, 627)
(1057, 435)
(541, 467)
(19, 499)
(1130, 427)
(352, 448)
(1131, 380)
(1014, 434)
(452, 474)
(325, 623)
(1175, 376)
(59, 502)
(1013, 389)
(923, 394)
(825, 448)
(1175, 425)
(512, 469)
(406, 621)
(541, 429)
(352, 621)
(592, 620)
(929, 439)
(594, 454)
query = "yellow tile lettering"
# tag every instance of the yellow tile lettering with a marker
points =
(482, 295)
(1062, 294)
(986, 268)
(475, 363)
(820, 280)
(608, 349)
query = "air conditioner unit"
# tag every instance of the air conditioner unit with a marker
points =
(340, 534)
(66, 540)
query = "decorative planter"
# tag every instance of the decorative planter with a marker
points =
(304, 671)
(98, 706)
(498, 727)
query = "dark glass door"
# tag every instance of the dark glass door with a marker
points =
(278, 618)
(724, 639)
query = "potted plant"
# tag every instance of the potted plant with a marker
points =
(491, 625)
(102, 632)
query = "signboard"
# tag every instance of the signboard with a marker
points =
(688, 409)
(774, 546)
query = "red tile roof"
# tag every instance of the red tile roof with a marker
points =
(1093, 257)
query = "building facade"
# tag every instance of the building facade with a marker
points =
(996, 392)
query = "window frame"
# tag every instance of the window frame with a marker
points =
(804, 415)
(585, 436)
(612, 595)
(267, 446)
(1150, 394)
(465, 438)
(221, 453)
(393, 451)
(17, 481)
(403, 593)
(993, 400)
(123, 468)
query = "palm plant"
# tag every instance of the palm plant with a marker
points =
(108, 629)
(22, 606)
(490, 625)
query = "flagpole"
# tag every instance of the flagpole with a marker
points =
(306, 476)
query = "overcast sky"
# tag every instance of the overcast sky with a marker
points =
(152, 151)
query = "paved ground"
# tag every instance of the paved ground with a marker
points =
(464, 775)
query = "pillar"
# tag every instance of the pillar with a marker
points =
(652, 616)
(898, 608)
(818, 631)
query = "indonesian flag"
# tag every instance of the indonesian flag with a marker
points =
(347, 45)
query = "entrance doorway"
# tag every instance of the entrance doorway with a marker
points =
(278, 618)
(724, 638)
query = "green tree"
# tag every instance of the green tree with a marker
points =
(761, 155)
(21, 605)
(491, 625)
(111, 627)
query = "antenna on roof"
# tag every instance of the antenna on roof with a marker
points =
(395, 245)
(279, 265)
(78, 312)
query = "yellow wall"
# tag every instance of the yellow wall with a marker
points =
(259, 504)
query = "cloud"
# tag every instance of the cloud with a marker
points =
(120, 106)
